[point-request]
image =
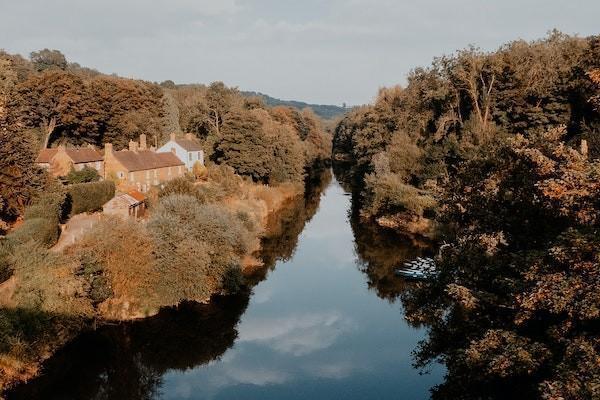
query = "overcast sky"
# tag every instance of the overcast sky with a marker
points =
(322, 51)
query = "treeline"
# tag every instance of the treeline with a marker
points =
(411, 141)
(501, 149)
(46, 100)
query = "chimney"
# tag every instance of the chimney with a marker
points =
(108, 150)
(142, 142)
(584, 148)
(188, 136)
(173, 136)
(133, 146)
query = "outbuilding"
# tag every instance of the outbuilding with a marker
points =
(131, 204)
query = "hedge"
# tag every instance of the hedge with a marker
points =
(87, 197)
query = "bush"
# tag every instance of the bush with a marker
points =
(6, 269)
(54, 206)
(91, 196)
(42, 220)
(45, 231)
(387, 193)
(198, 245)
(182, 185)
(85, 175)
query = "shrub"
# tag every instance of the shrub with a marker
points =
(45, 231)
(387, 193)
(91, 196)
(85, 175)
(182, 185)
(6, 269)
(42, 220)
(197, 246)
(54, 206)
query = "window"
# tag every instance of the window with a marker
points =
(121, 175)
(169, 171)
(131, 177)
(147, 174)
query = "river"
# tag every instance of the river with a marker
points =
(323, 322)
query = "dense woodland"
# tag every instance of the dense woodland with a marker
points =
(47, 100)
(500, 149)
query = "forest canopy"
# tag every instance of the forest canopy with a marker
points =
(46, 101)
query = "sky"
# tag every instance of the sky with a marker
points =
(318, 51)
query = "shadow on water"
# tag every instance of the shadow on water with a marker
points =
(127, 361)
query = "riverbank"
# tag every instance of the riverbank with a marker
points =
(319, 324)
(109, 275)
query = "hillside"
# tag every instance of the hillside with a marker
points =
(322, 110)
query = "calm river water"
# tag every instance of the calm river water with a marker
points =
(323, 323)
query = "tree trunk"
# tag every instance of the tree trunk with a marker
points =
(50, 127)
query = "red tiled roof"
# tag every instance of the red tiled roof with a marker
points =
(45, 156)
(78, 155)
(189, 144)
(142, 160)
(137, 195)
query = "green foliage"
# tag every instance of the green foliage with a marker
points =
(197, 247)
(91, 196)
(43, 230)
(42, 220)
(6, 269)
(182, 185)
(21, 180)
(85, 175)
(467, 100)
(46, 59)
(516, 299)
(388, 194)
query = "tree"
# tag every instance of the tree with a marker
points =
(218, 102)
(47, 59)
(243, 146)
(515, 304)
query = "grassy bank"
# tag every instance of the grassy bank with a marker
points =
(199, 239)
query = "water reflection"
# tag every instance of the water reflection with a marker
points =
(314, 329)
(128, 361)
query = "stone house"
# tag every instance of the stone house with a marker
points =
(131, 204)
(188, 149)
(139, 167)
(61, 160)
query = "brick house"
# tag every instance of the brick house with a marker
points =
(61, 160)
(188, 149)
(141, 168)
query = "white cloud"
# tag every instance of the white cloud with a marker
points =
(297, 334)
(321, 51)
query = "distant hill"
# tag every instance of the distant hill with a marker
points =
(323, 111)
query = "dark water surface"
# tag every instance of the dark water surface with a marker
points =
(324, 323)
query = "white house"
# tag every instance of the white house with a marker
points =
(187, 149)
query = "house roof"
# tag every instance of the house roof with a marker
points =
(142, 160)
(137, 195)
(122, 201)
(189, 144)
(78, 155)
